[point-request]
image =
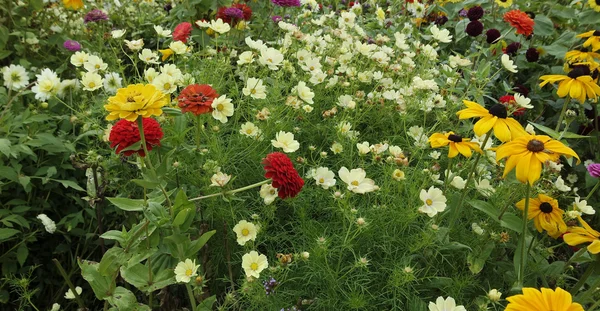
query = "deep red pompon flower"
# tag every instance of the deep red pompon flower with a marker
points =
(125, 133)
(285, 178)
(197, 98)
(182, 32)
(520, 21)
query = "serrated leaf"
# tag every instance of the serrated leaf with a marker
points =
(6, 233)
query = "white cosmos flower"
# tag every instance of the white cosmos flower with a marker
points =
(508, 63)
(47, 85)
(165, 83)
(253, 264)
(447, 304)
(246, 57)
(161, 32)
(91, 81)
(271, 58)
(398, 175)
(441, 35)
(255, 45)
(150, 74)
(434, 202)
(68, 85)
(484, 187)
(363, 148)
(346, 101)
(285, 141)
(583, 207)
(255, 89)
(304, 92)
(245, 231)
(116, 34)
(15, 77)
(172, 70)
(222, 108)
(55, 307)
(324, 177)
(268, 193)
(69, 294)
(219, 26)
(560, 185)
(148, 57)
(250, 130)
(178, 47)
(523, 101)
(112, 82)
(219, 179)
(94, 64)
(317, 77)
(356, 180)
(135, 45)
(79, 58)
(186, 270)
(202, 24)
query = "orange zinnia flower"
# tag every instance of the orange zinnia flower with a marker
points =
(520, 21)
(197, 99)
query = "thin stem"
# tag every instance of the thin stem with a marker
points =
(232, 191)
(228, 255)
(191, 295)
(593, 190)
(147, 154)
(521, 274)
(589, 271)
(198, 131)
(562, 113)
(447, 177)
(71, 286)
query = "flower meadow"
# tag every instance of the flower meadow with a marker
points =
(300, 155)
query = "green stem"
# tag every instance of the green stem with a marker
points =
(198, 132)
(562, 113)
(191, 294)
(521, 274)
(447, 177)
(232, 191)
(71, 286)
(593, 190)
(456, 212)
(589, 271)
(147, 154)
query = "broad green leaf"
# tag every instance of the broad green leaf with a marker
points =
(112, 260)
(196, 245)
(122, 299)
(543, 26)
(70, 184)
(552, 133)
(171, 111)
(130, 205)
(136, 275)
(476, 260)
(101, 285)
(206, 304)
(163, 278)
(146, 183)
(5, 146)
(6, 233)
(22, 253)
(114, 235)
(509, 220)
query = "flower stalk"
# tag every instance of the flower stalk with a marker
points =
(140, 125)
(522, 251)
(562, 113)
(225, 193)
(191, 295)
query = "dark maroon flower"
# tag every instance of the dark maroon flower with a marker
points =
(95, 15)
(441, 20)
(492, 35)
(532, 55)
(72, 45)
(284, 176)
(475, 13)
(474, 28)
(521, 89)
(512, 48)
(286, 3)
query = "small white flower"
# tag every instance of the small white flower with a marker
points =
(477, 229)
(186, 270)
(222, 108)
(583, 207)
(559, 184)
(91, 81)
(346, 101)
(250, 130)
(324, 177)
(508, 63)
(219, 179)
(363, 148)
(268, 193)
(219, 26)
(271, 58)
(530, 129)
(442, 35)
(148, 57)
(246, 57)
(304, 92)
(245, 231)
(161, 32)
(112, 82)
(356, 180)
(494, 295)
(448, 304)
(69, 294)
(49, 224)
(484, 187)
(398, 175)
(434, 202)
(15, 77)
(178, 47)
(458, 182)
(285, 141)
(135, 45)
(435, 155)
(523, 101)
(116, 34)
(79, 58)
(255, 89)
(165, 83)
(336, 148)
(253, 264)
(55, 307)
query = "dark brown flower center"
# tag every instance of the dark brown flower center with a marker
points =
(547, 207)
(596, 33)
(455, 138)
(498, 110)
(535, 145)
(597, 2)
(579, 71)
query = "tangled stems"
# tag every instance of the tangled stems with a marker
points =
(143, 140)
(562, 113)
(523, 252)
(456, 213)
(224, 193)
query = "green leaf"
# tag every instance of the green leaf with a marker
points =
(509, 220)
(114, 235)
(122, 299)
(112, 260)
(206, 304)
(130, 205)
(8, 173)
(6, 233)
(543, 26)
(163, 278)
(136, 275)
(146, 183)
(573, 135)
(196, 245)
(552, 133)
(135, 147)
(5, 146)
(69, 184)
(101, 285)
(172, 111)
(22, 253)
(477, 260)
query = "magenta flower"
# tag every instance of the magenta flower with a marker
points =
(277, 18)
(286, 3)
(95, 15)
(594, 170)
(72, 45)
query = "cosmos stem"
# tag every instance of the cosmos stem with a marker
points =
(562, 113)
(522, 251)
(191, 295)
(140, 125)
(224, 193)
(198, 131)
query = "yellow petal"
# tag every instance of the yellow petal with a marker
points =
(484, 125)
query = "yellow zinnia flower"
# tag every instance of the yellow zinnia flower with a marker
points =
(593, 39)
(166, 53)
(577, 236)
(528, 152)
(136, 100)
(456, 142)
(73, 4)
(545, 300)
(546, 215)
(581, 56)
(504, 3)
(578, 83)
(496, 117)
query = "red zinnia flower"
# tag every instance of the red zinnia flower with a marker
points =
(197, 98)
(280, 169)
(126, 133)
(246, 9)
(520, 21)
(509, 102)
(182, 32)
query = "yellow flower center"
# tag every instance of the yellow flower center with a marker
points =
(249, 131)
(253, 91)
(167, 86)
(535, 145)
(321, 180)
(92, 84)
(428, 202)
(272, 191)
(97, 66)
(188, 272)
(254, 266)
(245, 232)
(354, 183)
(220, 107)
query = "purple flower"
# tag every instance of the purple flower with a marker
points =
(270, 285)
(276, 18)
(594, 170)
(234, 13)
(462, 13)
(72, 45)
(94, 16)
(286, 3)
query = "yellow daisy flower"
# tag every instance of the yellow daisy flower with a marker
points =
(528, 152)
(545, 300)
(504, 3)
(456, 142)
(136, 100)
(73, 4)
(578, 83)
(546, 215)
(593, 39)
(581, 56)
(505, 128)
(577, 236)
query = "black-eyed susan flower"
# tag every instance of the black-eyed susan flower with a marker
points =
(505, 128)
(457, 144)
(546, 215)
(544, 300)
(578, 83)
(593, 39)
(528, 152)
(582, 55)
(594, 4)
(504, 3)
(578, 235)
